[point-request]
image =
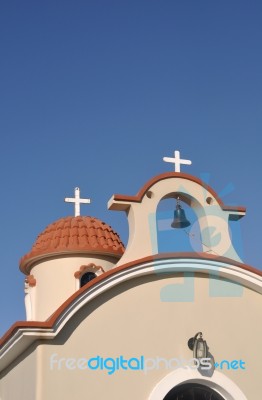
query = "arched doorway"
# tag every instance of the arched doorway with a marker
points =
(219, 386)
(192, 391)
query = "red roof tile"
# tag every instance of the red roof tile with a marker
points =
(74, 234)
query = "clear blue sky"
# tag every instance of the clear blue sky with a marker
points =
(94, 93)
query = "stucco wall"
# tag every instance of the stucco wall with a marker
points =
(22, 380)
(132, 320)
(55, 282)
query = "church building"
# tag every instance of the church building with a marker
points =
(174, 315)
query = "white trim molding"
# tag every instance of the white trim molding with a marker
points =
(218, 382)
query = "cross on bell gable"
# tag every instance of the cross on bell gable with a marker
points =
(177, 161)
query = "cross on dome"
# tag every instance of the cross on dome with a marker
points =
(77, 200)
(177, 161)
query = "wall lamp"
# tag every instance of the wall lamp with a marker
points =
(199, 346)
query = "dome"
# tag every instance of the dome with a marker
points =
(80, 234)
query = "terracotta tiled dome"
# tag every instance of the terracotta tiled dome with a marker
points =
(74, 234)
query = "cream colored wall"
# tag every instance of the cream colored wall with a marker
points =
(22, 380)
(55, 282)
(131, 320)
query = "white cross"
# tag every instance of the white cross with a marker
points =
(77, 201)
(177, 161)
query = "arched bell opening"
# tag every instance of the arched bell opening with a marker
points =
(177, 226)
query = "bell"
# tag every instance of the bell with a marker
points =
(180, 220)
